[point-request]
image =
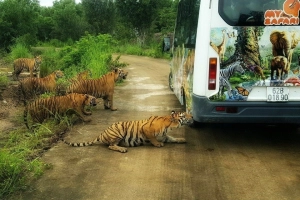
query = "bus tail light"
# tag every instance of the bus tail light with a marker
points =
(212, 74)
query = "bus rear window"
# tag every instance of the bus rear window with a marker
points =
(248, 12)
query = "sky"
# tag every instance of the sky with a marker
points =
(50, 2)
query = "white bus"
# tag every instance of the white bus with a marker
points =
(237, 61)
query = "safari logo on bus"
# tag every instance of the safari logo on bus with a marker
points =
(288, 16)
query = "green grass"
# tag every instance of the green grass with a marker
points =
(19, 159)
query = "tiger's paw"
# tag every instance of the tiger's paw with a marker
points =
(122, 149)
(159, 144)
(87, 119)
(118, 148)
(87, 112)
(180, 140)
(114, 109)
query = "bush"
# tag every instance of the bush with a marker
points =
(19, 51)
(3, 80)
(50, 61)
(16, 171)
(90, 52)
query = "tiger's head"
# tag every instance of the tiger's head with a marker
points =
(90, 100)
(38, 61)
(58, 74)
(84, 75)
(120, 74)
(182, 117)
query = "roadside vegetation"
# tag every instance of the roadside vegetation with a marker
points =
(70, 37)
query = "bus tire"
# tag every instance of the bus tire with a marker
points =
(183, 100)
(171, 81)
(198, 124)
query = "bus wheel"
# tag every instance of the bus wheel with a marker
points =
(183, 100)
(171, 81)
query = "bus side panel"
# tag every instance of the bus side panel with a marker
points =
(182, 71)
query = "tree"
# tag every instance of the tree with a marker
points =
(247, 46)
(100, 14)
(17, 18)
(68, 20)
(45, 24)
(166, 15)
(140, 13)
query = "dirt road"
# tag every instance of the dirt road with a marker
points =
(217, 162)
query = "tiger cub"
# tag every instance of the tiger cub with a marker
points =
(54, 106)
(26, 64)
(136, 133)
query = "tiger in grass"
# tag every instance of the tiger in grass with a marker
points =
(102, 87)
(26, 64)
(31, 87)
(136, 133)
(57, 106)
(84, 75)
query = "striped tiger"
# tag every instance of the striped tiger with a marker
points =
(102, 87)
(136, 133)
(26, 64)
(31, 87)
(82, 76)
(57, 106)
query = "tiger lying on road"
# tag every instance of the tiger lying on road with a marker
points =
(102, 87)
(136, 133)
(56, 106)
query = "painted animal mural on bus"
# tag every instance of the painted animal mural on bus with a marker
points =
(225, 75)
(284, 43)
(275, 60)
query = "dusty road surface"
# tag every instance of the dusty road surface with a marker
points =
(223, 162)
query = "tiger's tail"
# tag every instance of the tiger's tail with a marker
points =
(81, 144)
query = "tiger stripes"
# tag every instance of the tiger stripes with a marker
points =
(31, 87)
(56, 106)
(102, 87)
(26, 64)
(136, 133)
(82, 76)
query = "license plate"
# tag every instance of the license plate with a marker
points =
(277, 94)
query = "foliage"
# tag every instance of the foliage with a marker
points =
(12, 169)
(140, 14)
(165, 19)
(101, 15)
(17, 166)
(3, 80)
(50, 61)
(28, 23)
(234, 80)
(90, 52)
(153, 50)
(68, 20)
(19, 51)
(17, 18)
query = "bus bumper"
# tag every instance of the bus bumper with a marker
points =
(206, 111)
